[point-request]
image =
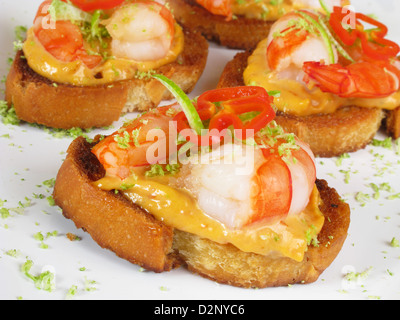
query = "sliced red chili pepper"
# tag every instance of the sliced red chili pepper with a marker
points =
(348, 36)
(233, 102)
(373, 42)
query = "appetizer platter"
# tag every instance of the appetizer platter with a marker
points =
(346, 226)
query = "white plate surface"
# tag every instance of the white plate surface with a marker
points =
(29, 156)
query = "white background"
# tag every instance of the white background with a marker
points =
(30, 156)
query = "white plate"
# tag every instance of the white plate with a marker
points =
(30, 156)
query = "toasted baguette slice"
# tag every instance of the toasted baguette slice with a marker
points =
(329, 135)
(240, 33)
(135, 235)
(38, 100)
(392, 123)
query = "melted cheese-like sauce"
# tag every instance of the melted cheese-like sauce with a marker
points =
(77, 73)
(261, 9)
(295, 98)
(178, 208)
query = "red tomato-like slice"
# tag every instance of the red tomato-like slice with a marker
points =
(65, 43)
(275, 190)
(63, 40)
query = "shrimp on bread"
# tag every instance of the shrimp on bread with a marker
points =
(335, 85)
(216, 185)
(86, 62)
(238, 24)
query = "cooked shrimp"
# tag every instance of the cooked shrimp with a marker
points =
(62, 39)
(234, 184)
(372, 69)
(141, 31)
(301, 52)
(358, 80)
(127, 148)
(274, 187)
(218, 7)
(292, 41)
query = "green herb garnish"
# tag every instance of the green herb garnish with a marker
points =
(184, 101)
(44, 281)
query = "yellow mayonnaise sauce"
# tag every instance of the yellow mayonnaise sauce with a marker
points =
(178, 208)
(295, 98)
(77, 73)
(266, 9)
(261, 9)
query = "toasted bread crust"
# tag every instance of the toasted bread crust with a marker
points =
(240, 33)
(36, 99)
(329, 135)
(112, 221)
(392, 123)
(135, 235)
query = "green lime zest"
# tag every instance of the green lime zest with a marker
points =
(184, 101)
(60, 10)
(338, 46)
(325, 7)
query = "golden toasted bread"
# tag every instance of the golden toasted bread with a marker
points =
(392, 123)
(36, 99)
(135, 235)
(239, 33)
(346, 130)
(227, 264)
